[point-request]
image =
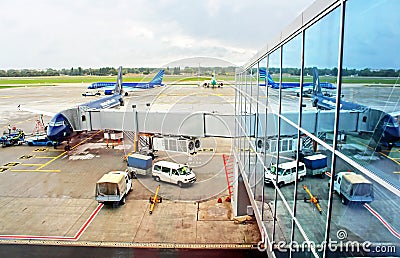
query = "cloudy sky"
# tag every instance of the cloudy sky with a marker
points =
(134, 33)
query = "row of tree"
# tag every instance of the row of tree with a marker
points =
(207, 71)
(110, 71)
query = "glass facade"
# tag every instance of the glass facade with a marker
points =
(317, 135)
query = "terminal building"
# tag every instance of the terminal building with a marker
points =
(276, 124)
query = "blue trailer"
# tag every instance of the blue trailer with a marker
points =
(139, 164)
(316, 164)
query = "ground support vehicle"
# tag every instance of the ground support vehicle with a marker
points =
(113, 187)
(316, 164)
(91, 93)
(14, 138)
(138, 164)
(352, 187)
(286, 173)
(41, 140)
(174, 173)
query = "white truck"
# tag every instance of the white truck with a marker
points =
(286, 173)
(353, 187)
(113, 187)
(91, 93)
(174, 173)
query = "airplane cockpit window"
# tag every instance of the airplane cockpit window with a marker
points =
(59, 123)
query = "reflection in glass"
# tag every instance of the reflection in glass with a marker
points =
(370, 88)
(367, 131)
(320, 62)
(291, 66)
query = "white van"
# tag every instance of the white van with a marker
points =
(173, 173)
(286, 173)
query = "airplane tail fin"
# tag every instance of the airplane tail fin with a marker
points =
(118, 84)
(317, 87)
(270, 80)
(158, 78)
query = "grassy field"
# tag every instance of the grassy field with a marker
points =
(6, 82)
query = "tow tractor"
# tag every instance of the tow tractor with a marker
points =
(17, 137)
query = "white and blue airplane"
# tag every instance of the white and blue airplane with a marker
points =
(108, 87)
(384, 127)
(307, 86)
(60, 129)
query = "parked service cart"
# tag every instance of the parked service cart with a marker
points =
(138, 164)
(113, 187)
(353, 187)
(174, 173)
(316, 164)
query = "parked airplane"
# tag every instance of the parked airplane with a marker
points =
(213, 82)
(287, 85)
(108, 87)
(384, 127)
(60, 128)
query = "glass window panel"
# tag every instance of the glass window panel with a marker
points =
(370, 88)
(291, 66)
(273, 73)
(320, 62)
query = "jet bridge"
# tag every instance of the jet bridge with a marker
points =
(203, 124)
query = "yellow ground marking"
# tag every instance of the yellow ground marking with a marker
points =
(390, 158)
(61, 154)
(11, 164)
(3, 169)
(50, 161)
(40, 150)
(396, 172)
(43, 170)
(206, 149)
(26, 157)
(379, 151)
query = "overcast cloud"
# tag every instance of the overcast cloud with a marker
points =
(98, 33)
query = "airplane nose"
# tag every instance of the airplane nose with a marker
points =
(56, 133)
(51, 133)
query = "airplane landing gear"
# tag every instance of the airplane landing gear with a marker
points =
(67, 147)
